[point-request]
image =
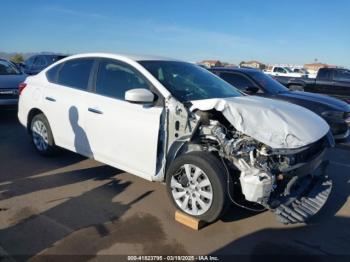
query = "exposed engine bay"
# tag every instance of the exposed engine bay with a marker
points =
(266, 176)
(283, 171)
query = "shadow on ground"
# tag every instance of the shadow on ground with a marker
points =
(330, 237)
(12, 137)
(91, 209)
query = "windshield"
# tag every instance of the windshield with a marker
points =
(7, 68)
(189, 82)
(269, 84)
(55, 58)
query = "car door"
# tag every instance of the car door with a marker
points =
(122, 134)
(341, 84)
(279, 71)
(323, 83)
(65, 103)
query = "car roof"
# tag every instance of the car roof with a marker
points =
(228, 69)
(134, 57)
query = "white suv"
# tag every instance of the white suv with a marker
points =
(172, 121)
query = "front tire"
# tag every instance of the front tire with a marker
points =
(196, 183)
(41, 135)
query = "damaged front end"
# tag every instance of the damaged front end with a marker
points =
(291, 182)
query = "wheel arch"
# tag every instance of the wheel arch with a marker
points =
(179, 148)
(32, 113)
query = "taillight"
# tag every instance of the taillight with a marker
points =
(21, 88)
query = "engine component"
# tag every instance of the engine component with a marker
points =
(256, 185)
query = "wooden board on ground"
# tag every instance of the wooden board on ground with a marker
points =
(189, 221)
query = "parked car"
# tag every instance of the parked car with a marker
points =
(283, 71)
(175, 122)
(10, 79)
(253, 82)
(330, 81)
(36, 63)
(303, 71)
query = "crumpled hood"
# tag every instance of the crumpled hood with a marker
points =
(275, 123)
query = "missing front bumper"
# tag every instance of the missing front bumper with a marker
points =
(304, 201)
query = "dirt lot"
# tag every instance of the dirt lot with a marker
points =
(72, 205)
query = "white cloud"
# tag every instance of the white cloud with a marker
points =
(73, 12)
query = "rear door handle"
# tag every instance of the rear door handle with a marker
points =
(50, 99)
(94, 110)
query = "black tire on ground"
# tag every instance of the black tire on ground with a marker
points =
(51, 148)
(216, 173)
(296, 88)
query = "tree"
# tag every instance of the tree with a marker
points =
(17, 58)
(241, 63)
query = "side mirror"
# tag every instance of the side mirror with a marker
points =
(251, 90)
(139, 96)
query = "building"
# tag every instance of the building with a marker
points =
(211, 63)
(253, 64)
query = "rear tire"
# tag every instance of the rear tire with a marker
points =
(296, 88)
(41, 135)
(196, 183)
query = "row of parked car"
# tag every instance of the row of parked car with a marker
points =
(287, 71)
(11, 75)
(229, 135)
(331, 81)
(335, 111)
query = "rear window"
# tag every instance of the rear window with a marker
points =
(75, 73)
(342, 75)
(7, 68)
(53, 59)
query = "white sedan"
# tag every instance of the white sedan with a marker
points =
(172, 121)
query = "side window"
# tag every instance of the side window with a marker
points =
(237, 80)
(75, 73)
(40, 61)
(30, 61)
(52, 73)
(115, 78)
(324, 75)
(276, 69)
(342, 75)
(281, 70)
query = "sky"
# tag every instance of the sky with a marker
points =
(294, 31)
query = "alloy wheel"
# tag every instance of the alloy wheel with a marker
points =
(192, 190)
(40, 135)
